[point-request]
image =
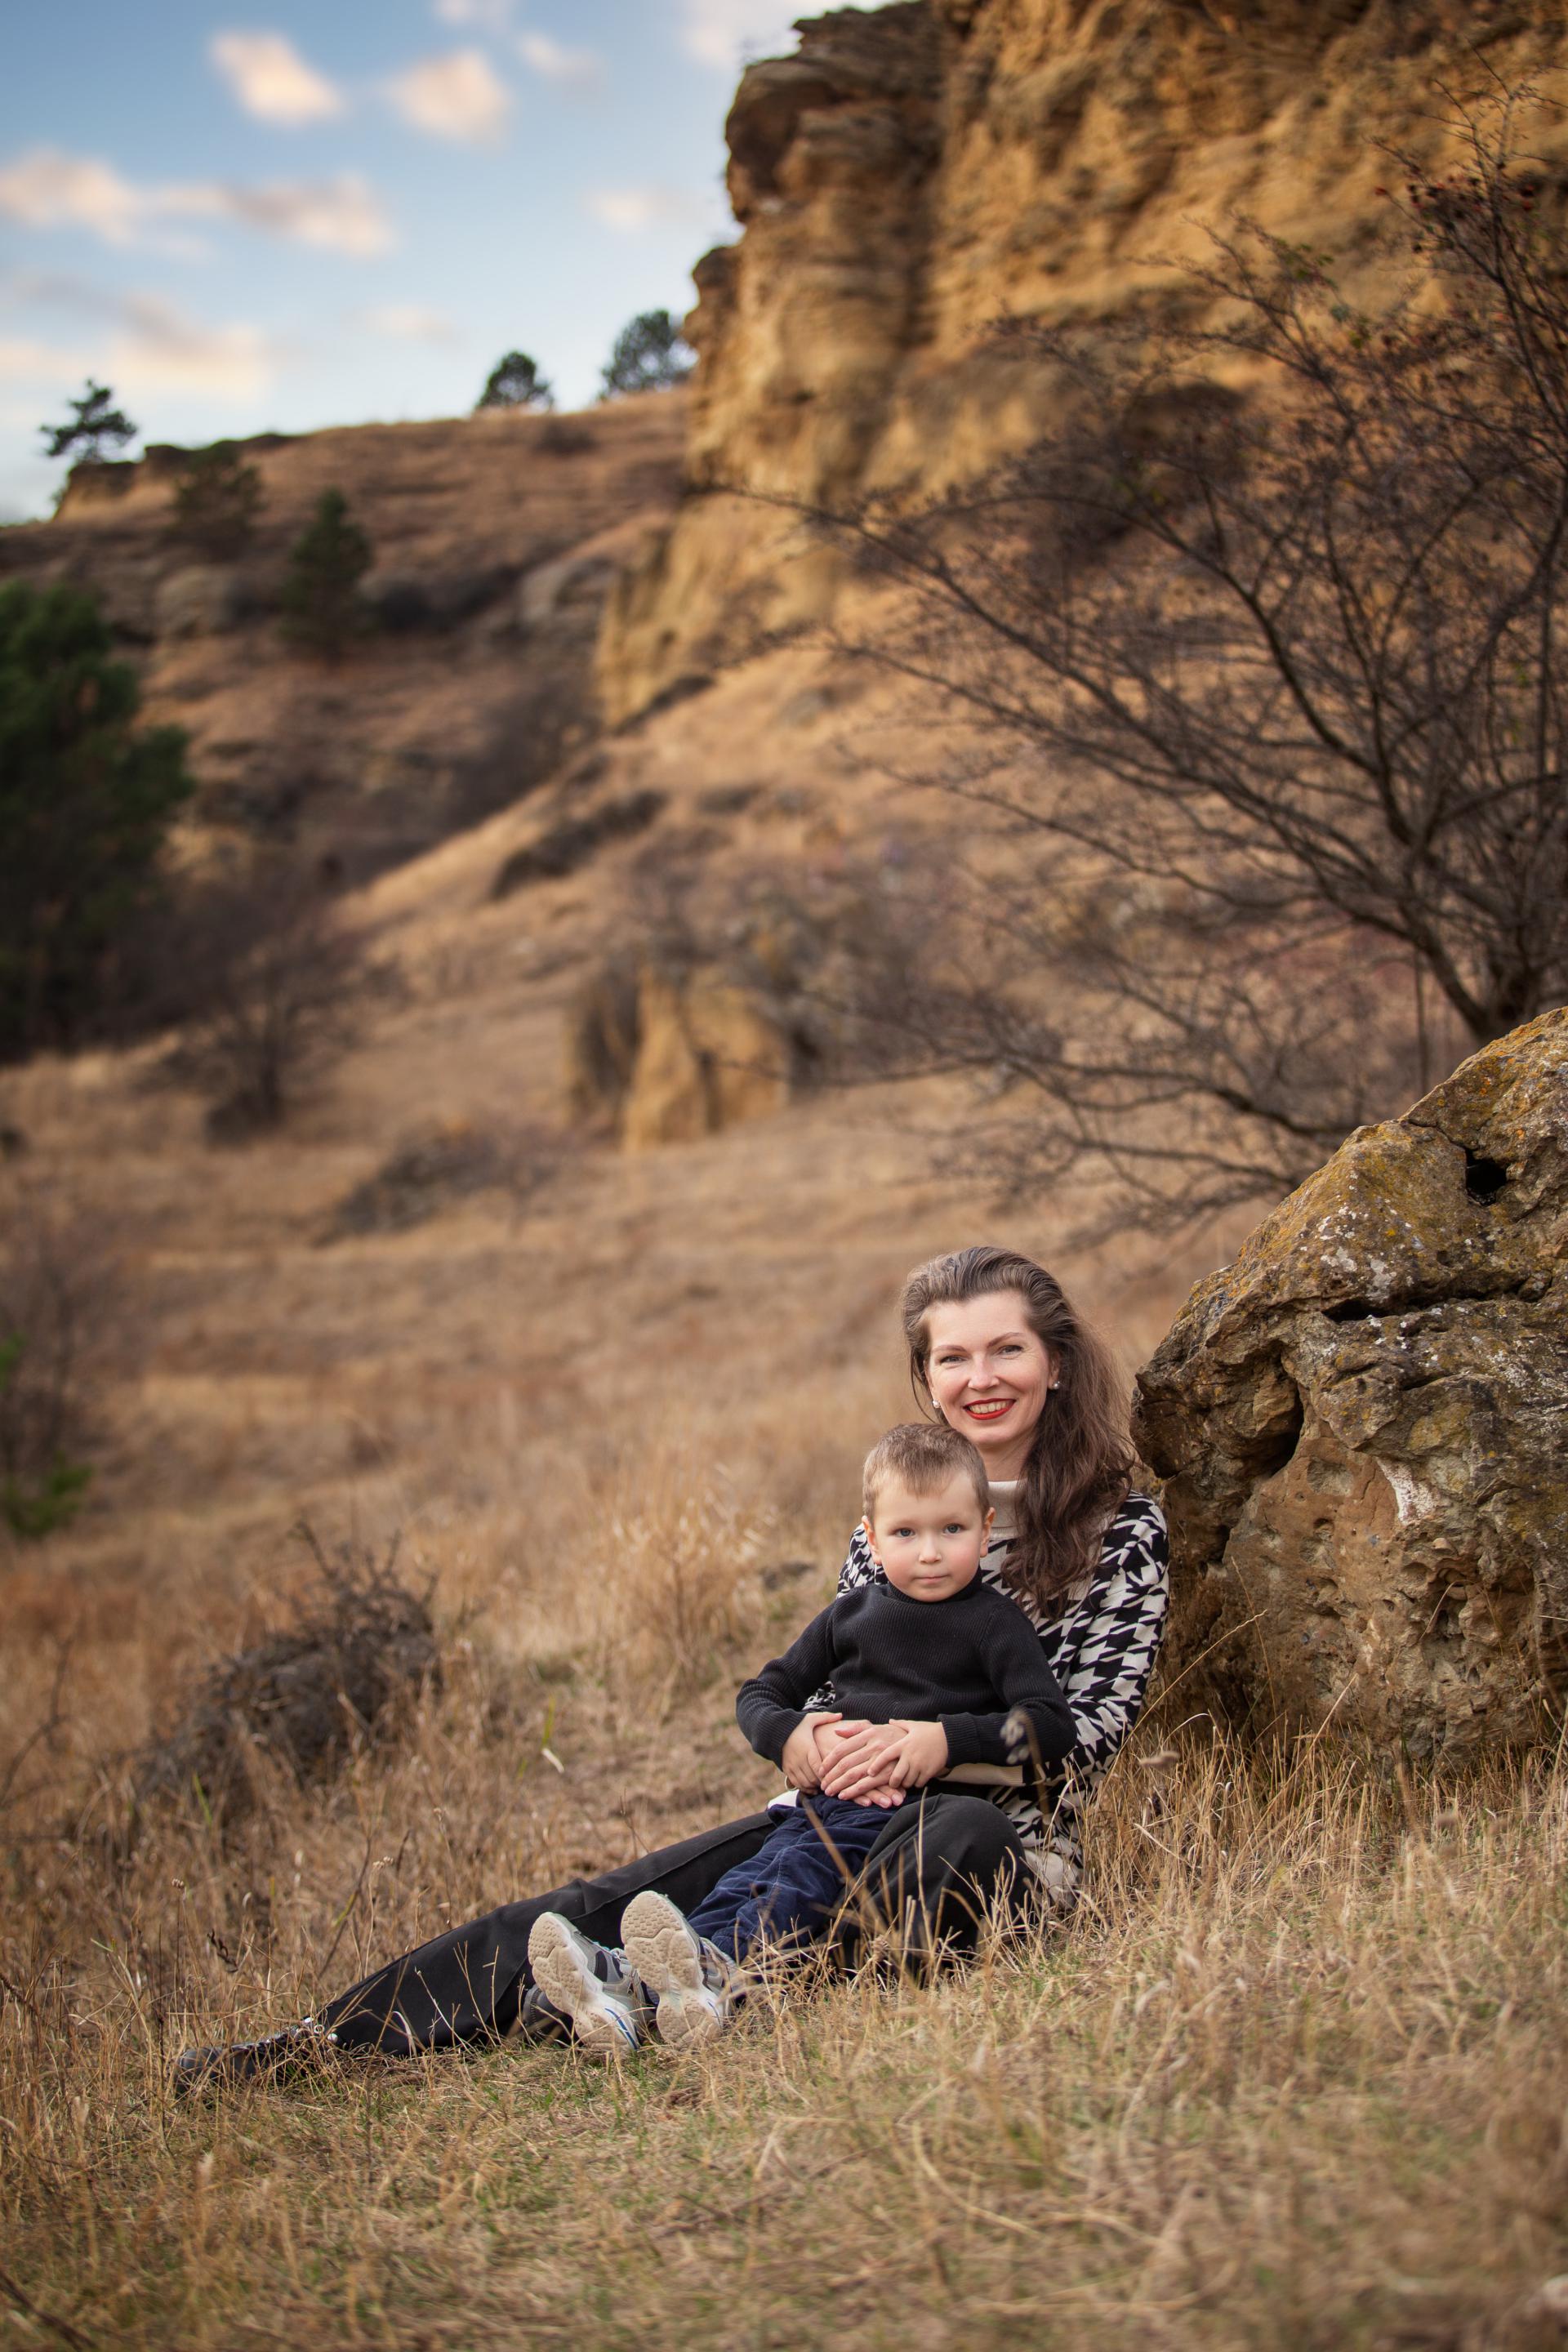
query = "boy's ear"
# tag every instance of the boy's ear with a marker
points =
(990, 1523)
(870, 1535)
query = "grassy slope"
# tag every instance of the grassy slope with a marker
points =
(1294, 2078)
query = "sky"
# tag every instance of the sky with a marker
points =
(271, 220)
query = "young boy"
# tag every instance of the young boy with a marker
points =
(934, 1648)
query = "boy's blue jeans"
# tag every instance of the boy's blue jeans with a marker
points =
(793, 1884)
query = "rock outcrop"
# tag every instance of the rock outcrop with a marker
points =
(667, 1052)
(1363, 1425)
(911, 176)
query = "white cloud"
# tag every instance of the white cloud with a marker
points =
(49, 190)
(148, 345)
(578, 69)
(406, 322)
(632, 212)
(46, 189)
(159, 349)
(271, 79)
(488, 15)
(343, 215)
(456, 97)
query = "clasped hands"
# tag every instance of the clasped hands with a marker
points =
(868, 1763)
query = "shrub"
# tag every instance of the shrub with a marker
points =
(217, 498)
(562, 436)
(58, 1293)
(321, 600)
(360, 1648)
(452, 1163)
(37, 1503)
(86, 801)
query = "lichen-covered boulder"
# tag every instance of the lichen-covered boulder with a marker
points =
(1363, 1424)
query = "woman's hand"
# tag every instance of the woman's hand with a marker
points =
(921, 1756)
(802, 1757)
(856, 1757)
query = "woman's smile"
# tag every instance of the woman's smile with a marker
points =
(990, 1375)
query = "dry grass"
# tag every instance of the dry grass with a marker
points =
(1292, 2077)
(1295, 2076)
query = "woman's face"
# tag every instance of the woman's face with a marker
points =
(989, 1376)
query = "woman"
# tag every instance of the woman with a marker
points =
(997, 1350)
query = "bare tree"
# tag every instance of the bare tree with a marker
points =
(279, 984)
(1262, 652)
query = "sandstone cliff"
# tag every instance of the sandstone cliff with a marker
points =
(1361, 1421)
(911, 176)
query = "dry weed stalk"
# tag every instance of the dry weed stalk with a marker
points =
(675, 1556)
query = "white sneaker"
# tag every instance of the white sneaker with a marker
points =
(588, 1983)
(692, 1982)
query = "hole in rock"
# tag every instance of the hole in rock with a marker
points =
(1280, 1442)
(1484, 1179)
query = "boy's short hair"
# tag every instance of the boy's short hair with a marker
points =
(924, 1455)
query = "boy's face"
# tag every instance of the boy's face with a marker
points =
(930, 1545)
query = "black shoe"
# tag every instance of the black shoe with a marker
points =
(298, 2050)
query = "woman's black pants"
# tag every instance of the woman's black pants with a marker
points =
(940, 1863)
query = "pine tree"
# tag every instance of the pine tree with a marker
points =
(93, 423)
(321, 608)
(515, 382)
(648, 356)
(86, 799)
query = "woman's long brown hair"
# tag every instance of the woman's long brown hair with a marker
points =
(1081, 1457)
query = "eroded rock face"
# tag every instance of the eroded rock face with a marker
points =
(672, 1053)
(1363, 1425)
(707, 1059)
(912, 175)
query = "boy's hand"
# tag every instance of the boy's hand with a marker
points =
(920, 1755)
(885, 1798)
(801, 1760)
(855, 1760)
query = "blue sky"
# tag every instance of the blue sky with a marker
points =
(285, 217)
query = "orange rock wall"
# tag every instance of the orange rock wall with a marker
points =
(912, 175)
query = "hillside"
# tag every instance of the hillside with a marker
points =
(494, 540)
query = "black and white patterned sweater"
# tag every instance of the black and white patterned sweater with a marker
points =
(1101, 1649)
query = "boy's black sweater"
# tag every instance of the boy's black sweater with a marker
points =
(966, 1663)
